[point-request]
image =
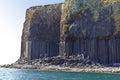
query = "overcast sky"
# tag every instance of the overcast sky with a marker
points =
(12, 17)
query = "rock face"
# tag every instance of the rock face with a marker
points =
(41, 33)
(87, 27)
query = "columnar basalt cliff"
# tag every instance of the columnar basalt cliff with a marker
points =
(87, 27)
(41, 32)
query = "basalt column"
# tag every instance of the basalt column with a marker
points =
(91, 28)
(77, 27)
(41, 33)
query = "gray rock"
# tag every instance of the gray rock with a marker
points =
(80, 32)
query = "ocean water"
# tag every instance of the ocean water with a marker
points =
(17, 74)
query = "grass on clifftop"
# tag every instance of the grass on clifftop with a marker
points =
(110, 1)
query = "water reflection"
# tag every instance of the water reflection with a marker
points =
(17, 74)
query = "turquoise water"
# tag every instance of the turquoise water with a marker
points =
(17, 74)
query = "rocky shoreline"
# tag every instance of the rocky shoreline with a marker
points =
(69, 64)
(67, 69)
(82, 35)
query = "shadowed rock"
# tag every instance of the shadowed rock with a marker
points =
(41, 33)
(76, 27)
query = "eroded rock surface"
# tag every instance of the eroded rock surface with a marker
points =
(72, 28)
(41, 33)
(91, 27)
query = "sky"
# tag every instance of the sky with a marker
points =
(12, 17)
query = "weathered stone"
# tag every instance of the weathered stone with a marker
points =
(86, 28)
(95, 23)
(41, 33)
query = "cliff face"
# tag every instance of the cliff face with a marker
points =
(88, 27)
(91, 27)
(41, 33)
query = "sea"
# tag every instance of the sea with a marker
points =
(19, 74)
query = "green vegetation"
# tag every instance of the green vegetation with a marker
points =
(65, 27)
(110, 1)
(117, 21)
